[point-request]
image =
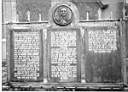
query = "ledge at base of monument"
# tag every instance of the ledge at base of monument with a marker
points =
(63, 87)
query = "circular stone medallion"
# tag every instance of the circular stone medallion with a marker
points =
(62, 15)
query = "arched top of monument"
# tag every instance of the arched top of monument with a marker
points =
(63, 14)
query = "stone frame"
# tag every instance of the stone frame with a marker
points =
(74, 9)
(78, 48)
(10, 47)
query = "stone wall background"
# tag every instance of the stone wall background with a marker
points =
(12, 8)
(35, 7)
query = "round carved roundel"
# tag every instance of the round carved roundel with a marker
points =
(62, 15)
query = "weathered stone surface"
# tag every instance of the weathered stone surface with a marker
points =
(35, 7)
(63, 56)
(102, 40)
(103, 58)
(26, 55)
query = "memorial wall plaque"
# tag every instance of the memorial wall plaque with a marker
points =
(63, 50)
(26, 55)
(103, 55)
(102, 40)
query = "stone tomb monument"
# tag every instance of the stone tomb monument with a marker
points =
(64, 43)
(64, 50)
(50, 54)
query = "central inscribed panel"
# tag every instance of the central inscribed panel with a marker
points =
(63, 50)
